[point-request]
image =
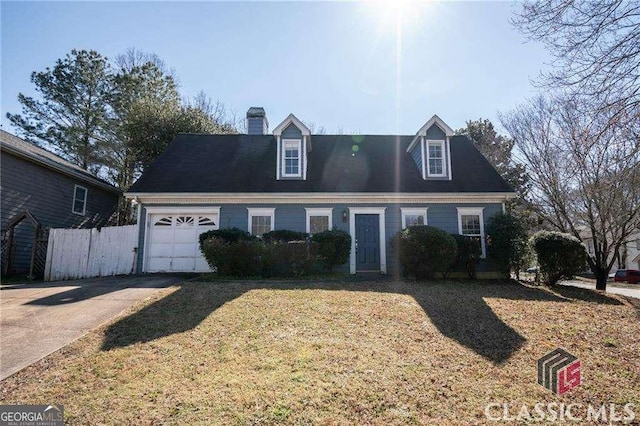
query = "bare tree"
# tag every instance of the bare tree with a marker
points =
(595, 47)
(585, 172)
(216, 110)
(314, 128)
(134, 58)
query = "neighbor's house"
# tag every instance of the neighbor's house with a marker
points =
(632, 252)
(42, 190)
(370, 186)
(627, 257)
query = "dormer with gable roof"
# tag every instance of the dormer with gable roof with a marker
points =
(293, 142)
(431, 150)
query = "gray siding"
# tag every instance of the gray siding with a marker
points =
(435, 132)
(293, 217)
(291, 132)
(255, 126)
(142, 228)
(416, 154)
(48, 195)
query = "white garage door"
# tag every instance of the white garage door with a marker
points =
(173, 244)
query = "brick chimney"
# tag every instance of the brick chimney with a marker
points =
(257, 123)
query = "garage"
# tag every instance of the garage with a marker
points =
(172, 240)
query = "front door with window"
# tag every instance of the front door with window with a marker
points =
(367, 242)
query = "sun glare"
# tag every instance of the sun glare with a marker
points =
(394, 12)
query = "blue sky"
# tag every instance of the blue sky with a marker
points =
(340, 65)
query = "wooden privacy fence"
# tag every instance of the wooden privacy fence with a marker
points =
(85, 253)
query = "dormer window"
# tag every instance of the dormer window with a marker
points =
(293, 143)
(291, 150)
(431, 151)
(435, 159)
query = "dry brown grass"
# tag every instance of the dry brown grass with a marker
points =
(336, 353)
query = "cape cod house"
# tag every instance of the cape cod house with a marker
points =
(371, 186)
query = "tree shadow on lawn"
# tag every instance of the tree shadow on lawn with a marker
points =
(584, 295)
(457, 309)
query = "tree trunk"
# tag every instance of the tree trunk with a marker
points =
(601, 279)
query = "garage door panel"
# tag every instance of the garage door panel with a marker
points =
(159, 264)
(185, 236)
(162, 234)
(183, 264)
(161, 250)
(184, 250)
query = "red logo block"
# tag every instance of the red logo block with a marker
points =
(569, 377)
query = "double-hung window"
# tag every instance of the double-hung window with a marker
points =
(471, 224)
(318, 220)
(291, 158)
(414, 217)
(79, 200)
(261, 221)
(435, 159)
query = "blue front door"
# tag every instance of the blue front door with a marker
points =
(367, 242)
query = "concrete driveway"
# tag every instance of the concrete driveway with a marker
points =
(37, 319)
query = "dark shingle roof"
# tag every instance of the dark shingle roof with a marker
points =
(247, 163)
(28, 150)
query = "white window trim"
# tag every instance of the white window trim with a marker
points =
(424, 159)
(261, 212)
(413, 212)
(448, 153)
(84, 204)
(319, 212)
(478, 211)
(380, 211)
(298, 143)
(444, 160)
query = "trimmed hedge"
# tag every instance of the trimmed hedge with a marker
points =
(559, 256)
(469, 252)
(229, 235)
(288, 259)
(334, 247)
(240, 258)
(507, 242)
(425, 251)
(283, 253)
(231, 252)
(284, 236)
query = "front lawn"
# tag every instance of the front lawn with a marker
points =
(337, 353)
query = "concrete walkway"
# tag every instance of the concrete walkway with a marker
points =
(631, 290)
(39, 318)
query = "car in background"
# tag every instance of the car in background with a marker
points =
(631, 276)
